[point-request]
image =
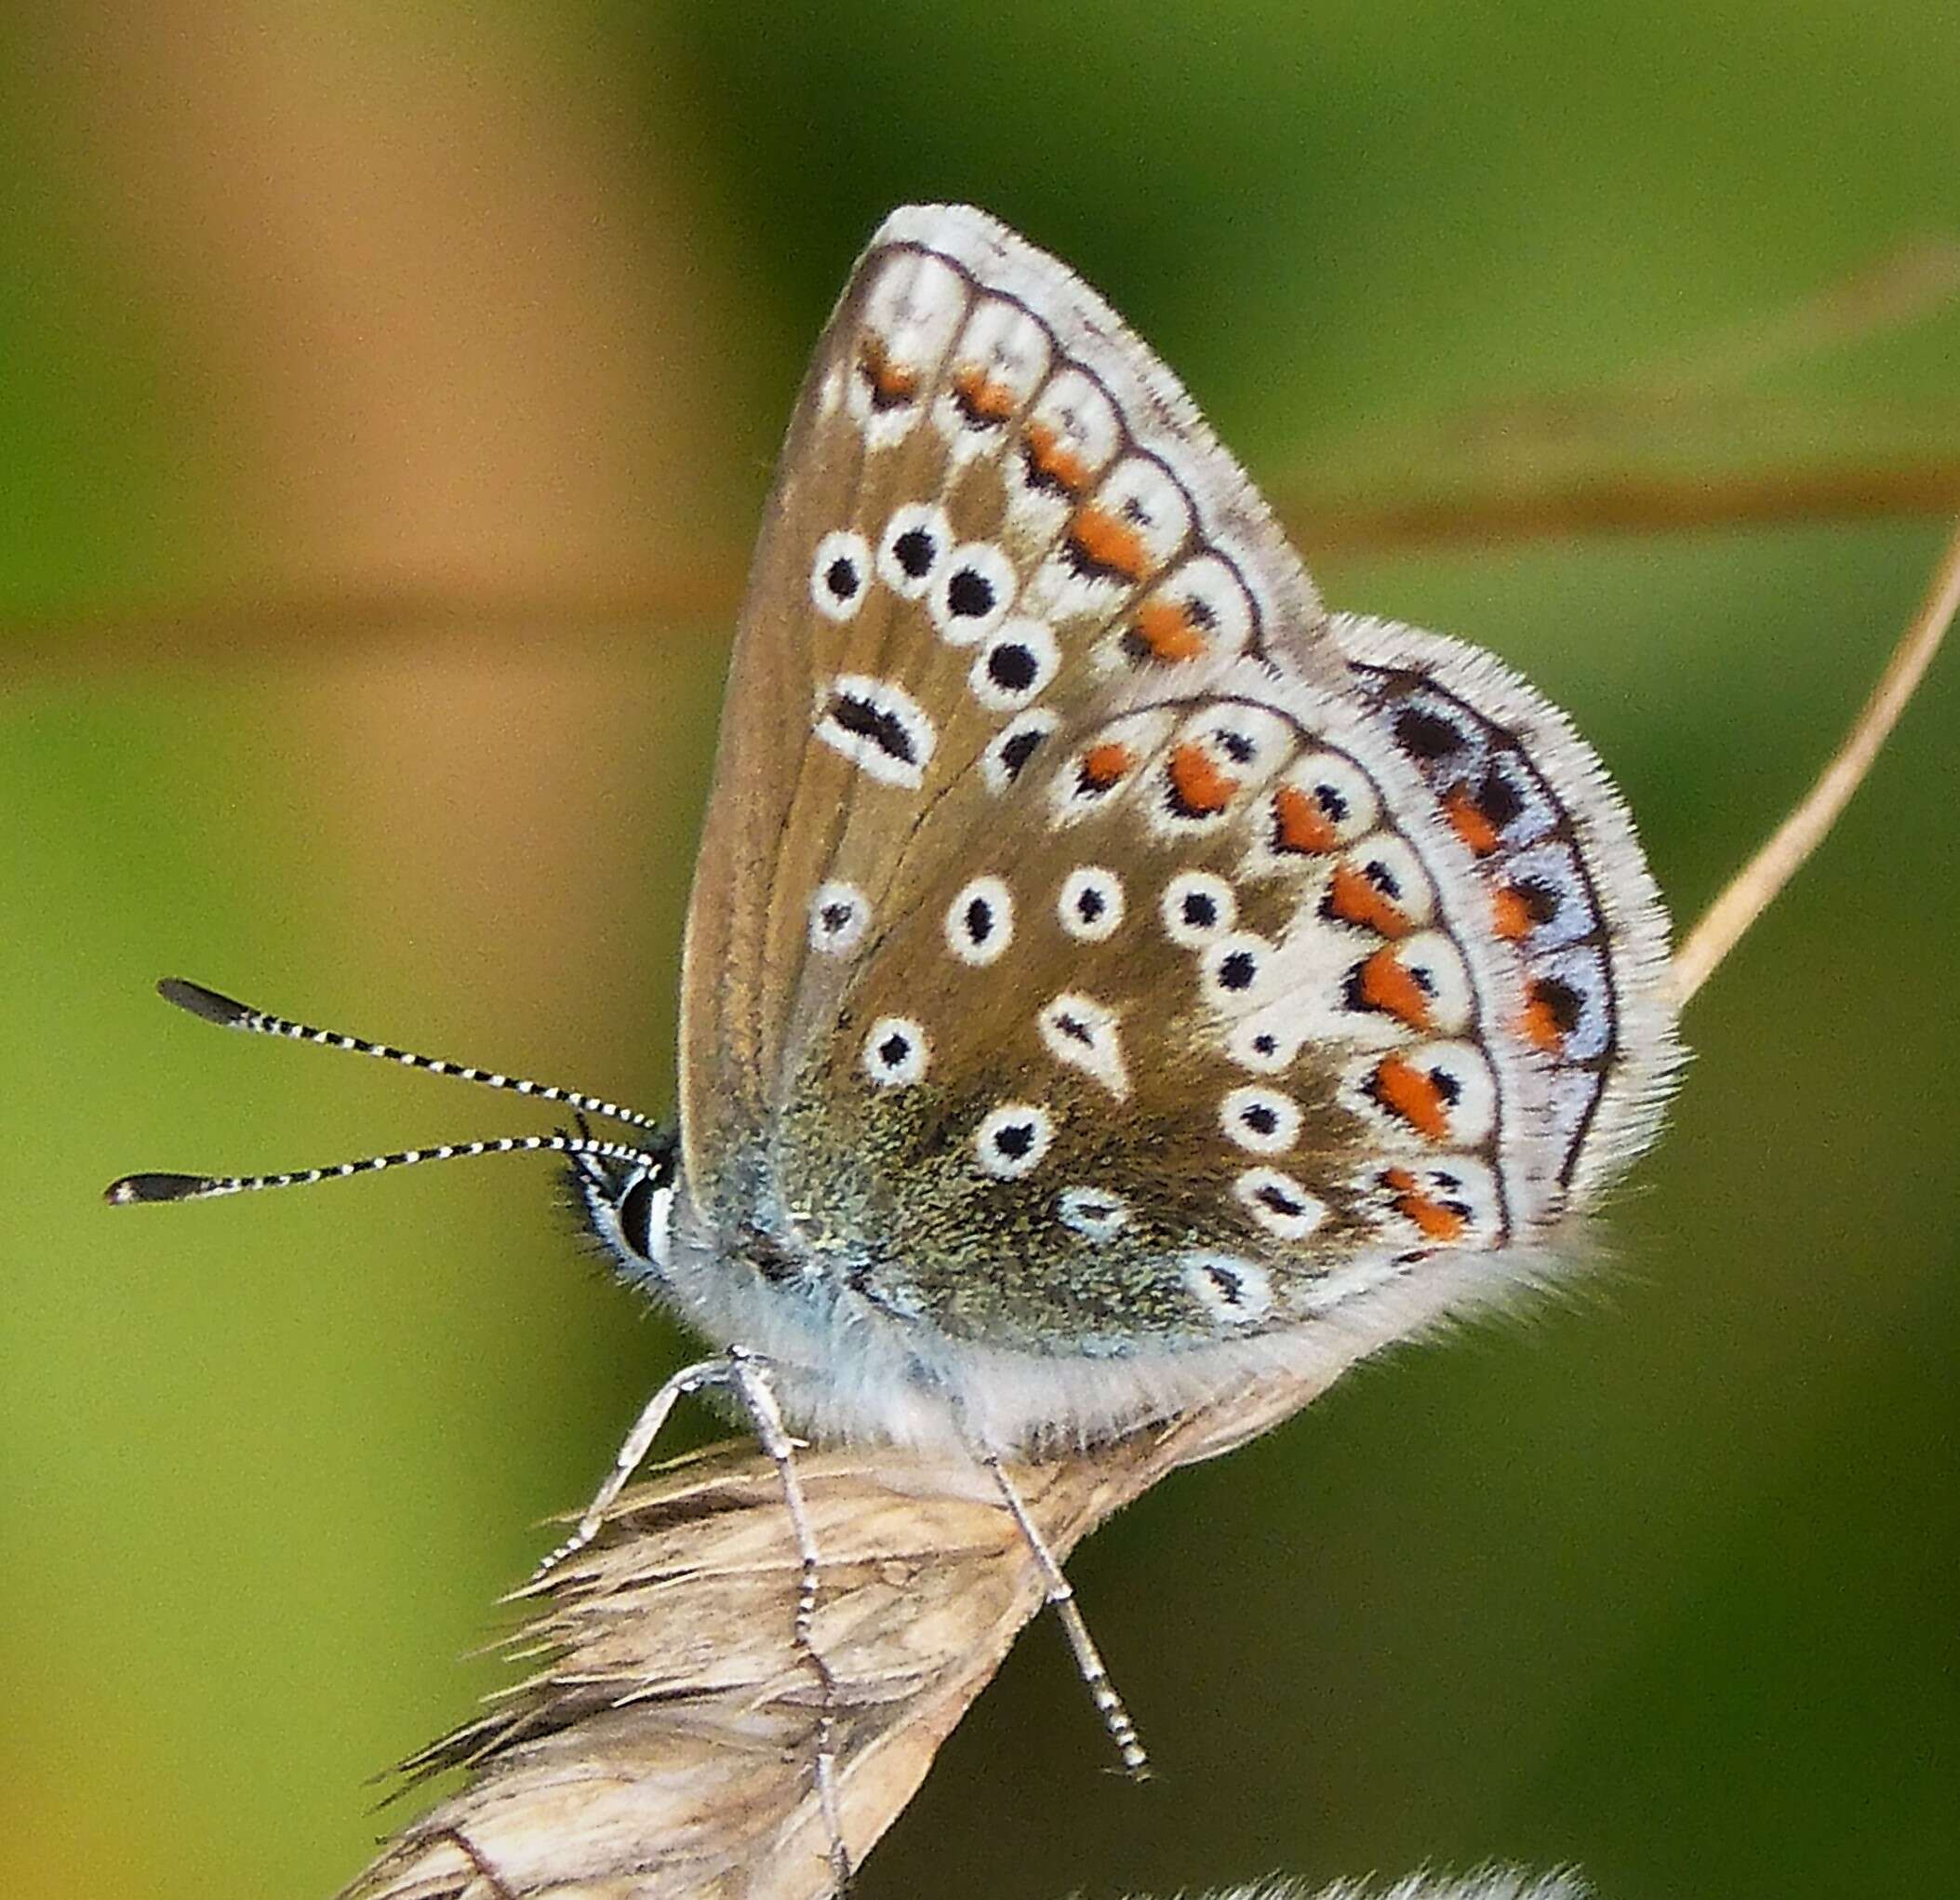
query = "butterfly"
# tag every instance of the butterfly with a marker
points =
(1107, 969)
(1110, 975)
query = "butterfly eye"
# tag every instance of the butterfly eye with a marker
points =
(839, 574)
(643, 1214)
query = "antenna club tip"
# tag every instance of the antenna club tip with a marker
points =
(135, 1188)
(204, 1002)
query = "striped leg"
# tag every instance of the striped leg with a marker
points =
(750, 1381)
(1088, 1659)
(746, 1376)
(639, 1441)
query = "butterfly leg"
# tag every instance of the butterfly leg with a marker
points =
(639, 1441)
(1088, 1658)
(471, 1852)
(745, 1375)
(749, 1379)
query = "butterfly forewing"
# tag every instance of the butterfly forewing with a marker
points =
(995, 510)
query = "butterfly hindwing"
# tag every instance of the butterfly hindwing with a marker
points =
(1568, 887)
(1189, 1037)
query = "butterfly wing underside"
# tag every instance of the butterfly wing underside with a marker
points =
(1095, 947)
(993, 505)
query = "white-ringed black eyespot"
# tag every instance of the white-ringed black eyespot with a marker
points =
(980, 921)
(839, 574)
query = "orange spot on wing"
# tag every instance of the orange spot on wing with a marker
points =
(1435, 1221)
(1388, 986)
(1511, 916)
(1470, 823)
(982, 399)
(1051, 461)
(1198, 781)
(1404, 1090)
(1169, 632)
(1299, 823)
(1105, 541)
(1352, 898)
(1540, 1025)
(891, 382)
(1103, 765)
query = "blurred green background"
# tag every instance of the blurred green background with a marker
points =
(388, 397)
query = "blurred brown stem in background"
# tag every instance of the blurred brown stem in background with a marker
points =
(1536, 468)
(348, 618)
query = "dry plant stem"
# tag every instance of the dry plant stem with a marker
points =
(1750, 891)
(663, 1746)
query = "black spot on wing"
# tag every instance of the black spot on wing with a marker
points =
(882, 727)
(1426, 735)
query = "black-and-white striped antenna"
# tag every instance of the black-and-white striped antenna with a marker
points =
(657, 1157)
(210, 1007)
(133, 1188)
